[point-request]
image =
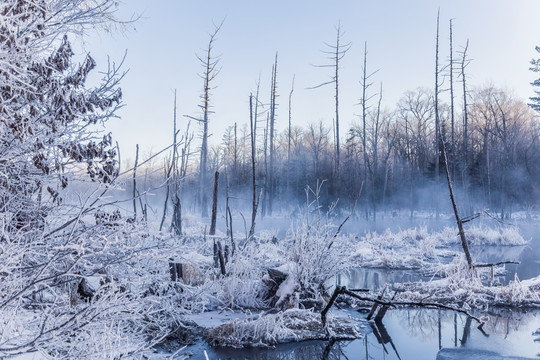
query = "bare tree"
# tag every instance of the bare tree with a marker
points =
(273, 105)
(437, 121)
(255, 198)
(376, 134)
(289, 133)
(317, 141)
(416, 111)
(175, 169)
(336, 53)
(452, 125)
(210, 64)
(464, 63)
(366, 83)
(459, 221)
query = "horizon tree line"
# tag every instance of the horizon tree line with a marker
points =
(392, 158)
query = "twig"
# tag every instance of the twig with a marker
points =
(496, 264)
(338, 290)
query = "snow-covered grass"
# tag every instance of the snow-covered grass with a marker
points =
(506, 236)
(286, 326)
(417, 248)
(462, 287)
(136, 304)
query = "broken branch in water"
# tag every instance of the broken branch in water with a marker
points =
(496, 264)
(343, 290)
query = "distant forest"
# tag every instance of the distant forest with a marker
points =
(390, 159)
(493, 157)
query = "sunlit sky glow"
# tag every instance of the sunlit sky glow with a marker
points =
(400, 35)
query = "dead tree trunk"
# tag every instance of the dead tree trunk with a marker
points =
(459, 221)
(214, 205)
(135, 183)
(176, 222)
(273, 96)
(289, 136)
(336, 96)
(437, 124)
(235, 150)
(211, 70)
(265, 187)
(365, 82)
(375, 168)
(168, 168)
(335, 54)
(452, 122)
(465, 161)
(255, 199)
(228, 216)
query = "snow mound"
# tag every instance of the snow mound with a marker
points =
(418, 248)
(463, 286)
(288, 326)
(508, 236)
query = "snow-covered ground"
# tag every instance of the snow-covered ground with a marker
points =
(251, 307)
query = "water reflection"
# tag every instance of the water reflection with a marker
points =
(405, 334)
(298, 351)
(377, 278)
(441, 334)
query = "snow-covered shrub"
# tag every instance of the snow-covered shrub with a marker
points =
(458, 275)
(519, 292)
(88, 292)
(286, 326)
(405, 249)
(244, 286)
(506, 236)
(316, 251)
(73, 272)
(417, 248)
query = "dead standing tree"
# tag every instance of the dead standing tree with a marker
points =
(273, 105)
(176, 169)
(465, 151)
(459, 220)
(336, 53)
(365, 83)
(452, 120)
(255, 198)
(289, 135)
(437, 122)
(210, 64)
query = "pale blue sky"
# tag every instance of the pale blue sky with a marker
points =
(400, 35)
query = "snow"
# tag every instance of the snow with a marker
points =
(473, 354)
(210, 319)
(286, 326)
(286, 290)
(417, 248)
(32, 355)
(236, 309)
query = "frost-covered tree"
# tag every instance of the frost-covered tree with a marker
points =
(535, 67)
(46, 113)
(49, 122)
